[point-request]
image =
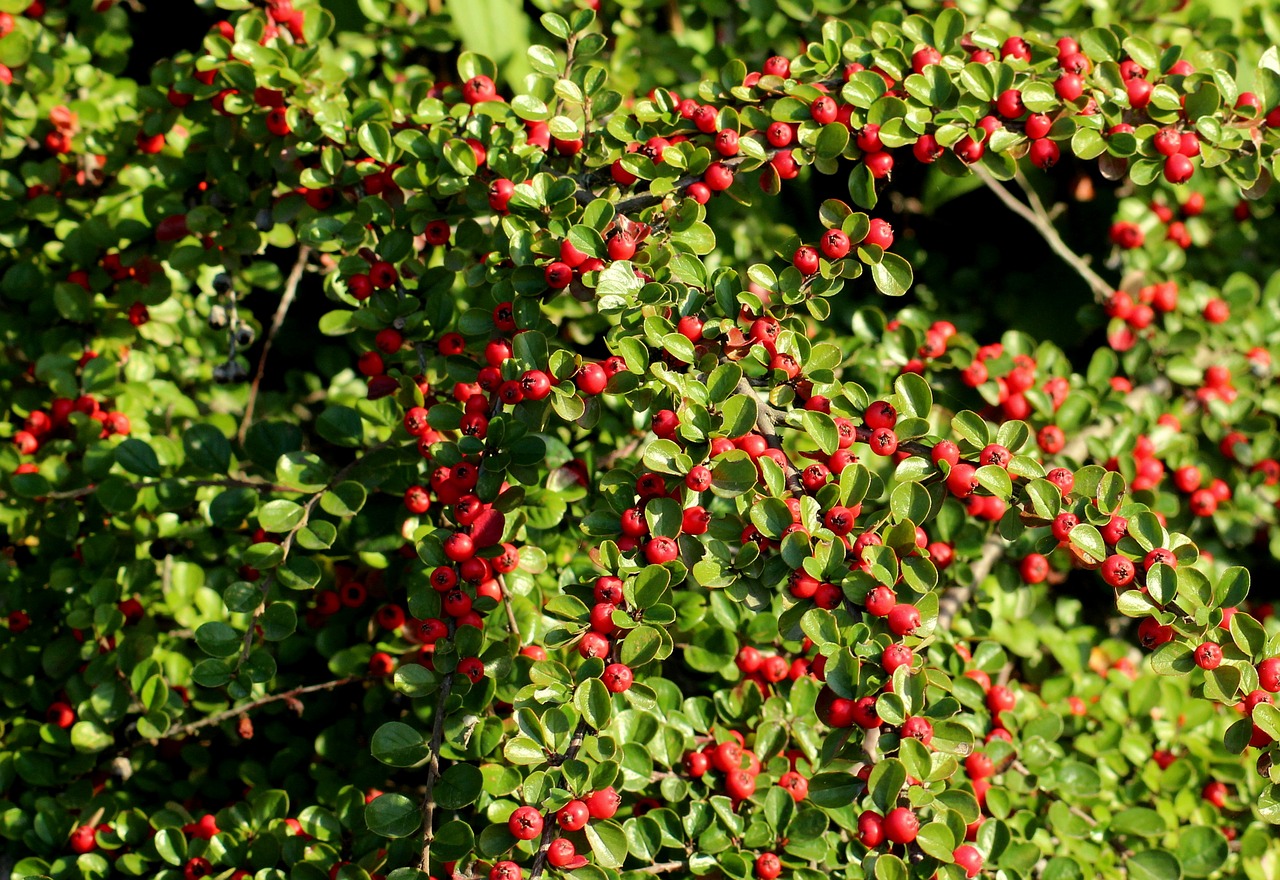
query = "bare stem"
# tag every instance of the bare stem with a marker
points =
(286, 300)
(234, 711)
(433, 773)
(954, 598)
(512, 625)
(1038, 217)
(287, 543)
(767, 417)
(662, 868)
(548, 821)
(224, 483)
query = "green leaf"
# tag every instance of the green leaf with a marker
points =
(1139, 820)
(917, 397)
(835, 789)
(218, 639)
(1087, 538)
(591, 698)
(171, 845)
(137, 457)
(375, 139)
(733, 474)
(344, 499)
(936, 839)
(88, 737)
(1154, 864)
(608, 843)
(207, 449)
(640, 646)
(892, 275)
(887, 779)
(280, 516)
(459, 786)
(1267, 717)
(738, 415)
(1202, 851)
(341, 425)
(1173, 658)
(523, 751)
(393, 815)
(399, 745)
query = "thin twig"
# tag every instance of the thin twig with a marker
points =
(622, 452)
(1038, 217)
(224, 483)
(767, 424)
(286, 300)
(287, 543)
(661, 868)
(512, 625)
(433, 773)
(640, 201)
(549, 826)
(211, 720)
(958, 595)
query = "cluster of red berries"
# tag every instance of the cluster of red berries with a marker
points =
(737, 768)
(1130, 317)
(766, 671)
(835, 245)
(527, 823)
(1012, 385)
(41, 426)
(598, 641)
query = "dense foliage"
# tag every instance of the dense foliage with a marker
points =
(693, 438)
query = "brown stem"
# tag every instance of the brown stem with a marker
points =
(767, 417)
(1038, 217)
(286, 300)
(622, 452)
(234, 711)
(287, 543)
(224, 483)
(662, 868)
(433, 773)
(958, 595)
(548, 821)
(511, 613)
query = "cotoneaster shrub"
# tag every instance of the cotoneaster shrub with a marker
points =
(417, 466)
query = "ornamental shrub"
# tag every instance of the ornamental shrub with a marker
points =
(804, 440)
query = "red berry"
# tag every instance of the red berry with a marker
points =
(904, 619)
(1117, 571)
(768, 866)
(618, 677)
(834, 244)
(1000, 699)
(968, 858)
(573, 816)
(1178, 169)
(1034, 568)
(880, 234)
(562, 852)
(604, 804)
(1208, 655)
(806, 260)
(901, 825)
(591, 379)
(1269, 674)
(870, 829)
